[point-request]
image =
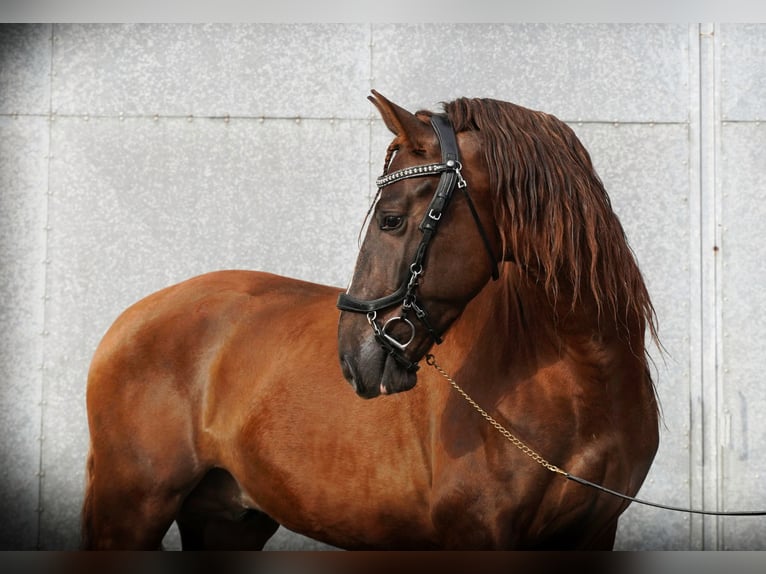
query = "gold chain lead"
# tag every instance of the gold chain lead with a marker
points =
(500, 428)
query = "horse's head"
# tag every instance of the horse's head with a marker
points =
(428, 250)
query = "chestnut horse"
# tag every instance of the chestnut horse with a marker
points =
(221, 403)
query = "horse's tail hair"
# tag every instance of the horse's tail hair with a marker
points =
(86, 517)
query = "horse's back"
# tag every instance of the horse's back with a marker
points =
(156, 362)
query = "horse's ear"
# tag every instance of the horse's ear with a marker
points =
(411, 131)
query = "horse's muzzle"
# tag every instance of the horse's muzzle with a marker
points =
(373, 372)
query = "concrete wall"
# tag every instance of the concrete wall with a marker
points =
(135, 156)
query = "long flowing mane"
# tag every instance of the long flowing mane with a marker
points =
(552, 210)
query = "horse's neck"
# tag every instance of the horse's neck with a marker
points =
(513, 321)
(543, 369)
(558, 377)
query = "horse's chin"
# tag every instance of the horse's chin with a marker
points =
(396, 379)
(372, 378)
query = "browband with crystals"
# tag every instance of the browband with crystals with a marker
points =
(416, 171)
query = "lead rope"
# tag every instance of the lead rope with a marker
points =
(523, 447)
(515, 441)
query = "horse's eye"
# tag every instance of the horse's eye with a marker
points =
(391, 222)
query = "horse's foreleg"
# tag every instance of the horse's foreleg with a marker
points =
(605, 539)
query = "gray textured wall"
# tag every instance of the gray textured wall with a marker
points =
(133, 157)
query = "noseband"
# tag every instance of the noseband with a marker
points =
(450, 177)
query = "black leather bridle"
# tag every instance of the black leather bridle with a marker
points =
(450, 178)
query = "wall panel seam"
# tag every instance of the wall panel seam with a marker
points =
(710, 307)
(45, 264)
